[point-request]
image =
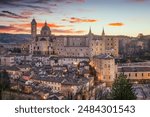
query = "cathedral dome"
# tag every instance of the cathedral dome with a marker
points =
(45, 31)
(45, 28)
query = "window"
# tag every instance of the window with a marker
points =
(142, 74)
(135, 74)
(129, 74)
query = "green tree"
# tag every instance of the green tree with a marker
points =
(122, 89)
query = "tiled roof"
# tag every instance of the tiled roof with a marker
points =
(11, 68)
(103, 56)
(134, 69)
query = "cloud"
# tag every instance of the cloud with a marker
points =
(138, 0)
(33, 2)
(116, 24)
(67, 31)
(2, 27)
(9, 14)
(25, 28)
(26, 13)
(16, 29)
(29, 4)
(39, 6)
(79, 20)
(72, 1)
(51, 25)
(39, 25)
(12, 29)
(80, 0)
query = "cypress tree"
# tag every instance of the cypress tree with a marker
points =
(122, 89)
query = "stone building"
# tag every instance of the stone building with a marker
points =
(87, 45)
(135, 72)
(105, 67)
(7, 60)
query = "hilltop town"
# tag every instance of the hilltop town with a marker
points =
(53, 67)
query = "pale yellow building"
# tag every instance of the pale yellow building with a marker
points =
(105, 67)
(135, 73)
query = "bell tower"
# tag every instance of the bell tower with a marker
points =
(33, 28)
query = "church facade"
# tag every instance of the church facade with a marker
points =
(71, 46)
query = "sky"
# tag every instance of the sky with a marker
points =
(75, 17)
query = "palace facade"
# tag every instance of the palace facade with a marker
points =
(88, 45)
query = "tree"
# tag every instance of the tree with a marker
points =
(4, 82)
(122, 89)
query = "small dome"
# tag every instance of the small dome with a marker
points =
(45, 31)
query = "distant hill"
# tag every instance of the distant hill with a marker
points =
(146, 37)
(14, 38)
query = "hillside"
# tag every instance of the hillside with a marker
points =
(14, 38)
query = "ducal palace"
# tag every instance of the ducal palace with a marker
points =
(71, 46)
